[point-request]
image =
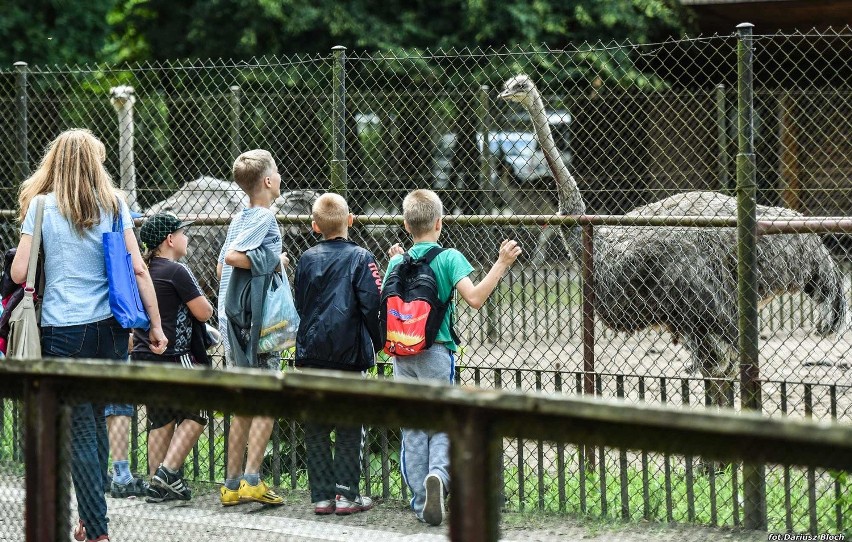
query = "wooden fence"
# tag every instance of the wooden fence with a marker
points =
(477, 419)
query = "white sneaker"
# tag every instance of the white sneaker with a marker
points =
(324, 507)
(344, 507)
(433, 509)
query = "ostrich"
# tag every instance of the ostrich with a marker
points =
(684, 279)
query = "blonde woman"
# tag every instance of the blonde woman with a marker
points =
(80, 204)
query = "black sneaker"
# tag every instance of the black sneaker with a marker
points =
(158, 494)
(171, 482)
(135, 488)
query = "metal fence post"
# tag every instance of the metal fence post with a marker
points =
(47, 495)
(23, 161)
(236, 121)
(486, 163)
(486, 175)
(753, 479)
(588, 270)
(475, 455)
(338, 113)
(722, 139)
(122, 99)
(790, 149)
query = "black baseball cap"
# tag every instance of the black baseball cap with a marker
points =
(156, 228)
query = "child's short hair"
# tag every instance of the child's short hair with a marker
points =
(331, 213)
(420, 209)
(252, 166)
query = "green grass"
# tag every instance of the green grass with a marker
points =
(826, 503)
(519, 295)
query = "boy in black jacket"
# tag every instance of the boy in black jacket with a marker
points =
(337, 290)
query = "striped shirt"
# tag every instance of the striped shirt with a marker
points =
(250, 229)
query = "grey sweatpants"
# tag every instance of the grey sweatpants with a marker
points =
(423, 452)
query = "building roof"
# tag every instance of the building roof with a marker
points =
(724, 15)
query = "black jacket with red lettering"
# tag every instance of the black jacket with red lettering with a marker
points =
(337, 289)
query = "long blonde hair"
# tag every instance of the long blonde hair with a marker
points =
(73, 168)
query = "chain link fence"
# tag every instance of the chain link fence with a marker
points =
(634, 124)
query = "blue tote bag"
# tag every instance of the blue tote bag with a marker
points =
(124, 297)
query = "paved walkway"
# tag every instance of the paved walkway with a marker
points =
(203, 519)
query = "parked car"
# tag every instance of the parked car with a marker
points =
(519, 154)
(515, 152)
(442, 165)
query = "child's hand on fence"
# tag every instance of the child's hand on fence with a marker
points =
(509, 252)
(395, 250)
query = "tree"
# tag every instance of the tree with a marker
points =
(46, 32)
(164, 29)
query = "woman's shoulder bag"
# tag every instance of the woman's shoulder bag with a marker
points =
(24, 337)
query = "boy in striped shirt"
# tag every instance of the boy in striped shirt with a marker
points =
(256, 173)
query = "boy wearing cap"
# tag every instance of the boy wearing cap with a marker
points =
(171, 433)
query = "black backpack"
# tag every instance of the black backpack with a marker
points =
(411, 312)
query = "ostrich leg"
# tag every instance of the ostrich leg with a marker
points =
(540, 251)
(714, 359)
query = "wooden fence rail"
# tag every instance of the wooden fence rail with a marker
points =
(476, 419)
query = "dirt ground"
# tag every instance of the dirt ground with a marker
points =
(203, 519)
(797, 357)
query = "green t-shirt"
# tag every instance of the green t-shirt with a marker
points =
(450, 266)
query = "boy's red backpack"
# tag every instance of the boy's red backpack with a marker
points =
(411, 312)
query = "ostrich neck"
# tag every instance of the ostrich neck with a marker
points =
(570, 200)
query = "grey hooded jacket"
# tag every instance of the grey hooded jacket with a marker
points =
(244, 304)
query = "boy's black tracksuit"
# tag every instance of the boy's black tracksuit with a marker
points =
(337, 292)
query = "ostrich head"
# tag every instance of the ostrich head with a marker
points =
(121, 96)
(519, 88)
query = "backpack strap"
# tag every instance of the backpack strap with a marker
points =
(427, 259)
(431, 254)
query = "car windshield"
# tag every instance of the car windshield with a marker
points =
(515, 145)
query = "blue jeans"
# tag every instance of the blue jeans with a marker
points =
(89, 442)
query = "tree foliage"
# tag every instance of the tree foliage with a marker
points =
(47, 32)
(61, 32)
(239, 29)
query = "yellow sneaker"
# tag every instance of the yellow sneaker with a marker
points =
(229, 497)
(259, 493)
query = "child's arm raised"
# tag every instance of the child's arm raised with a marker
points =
(395, 250)
(475, 295)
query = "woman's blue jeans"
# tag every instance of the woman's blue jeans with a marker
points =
(89, 441)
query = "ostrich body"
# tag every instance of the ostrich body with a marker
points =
(685, 279)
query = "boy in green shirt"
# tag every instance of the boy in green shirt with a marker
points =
(424, 457)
